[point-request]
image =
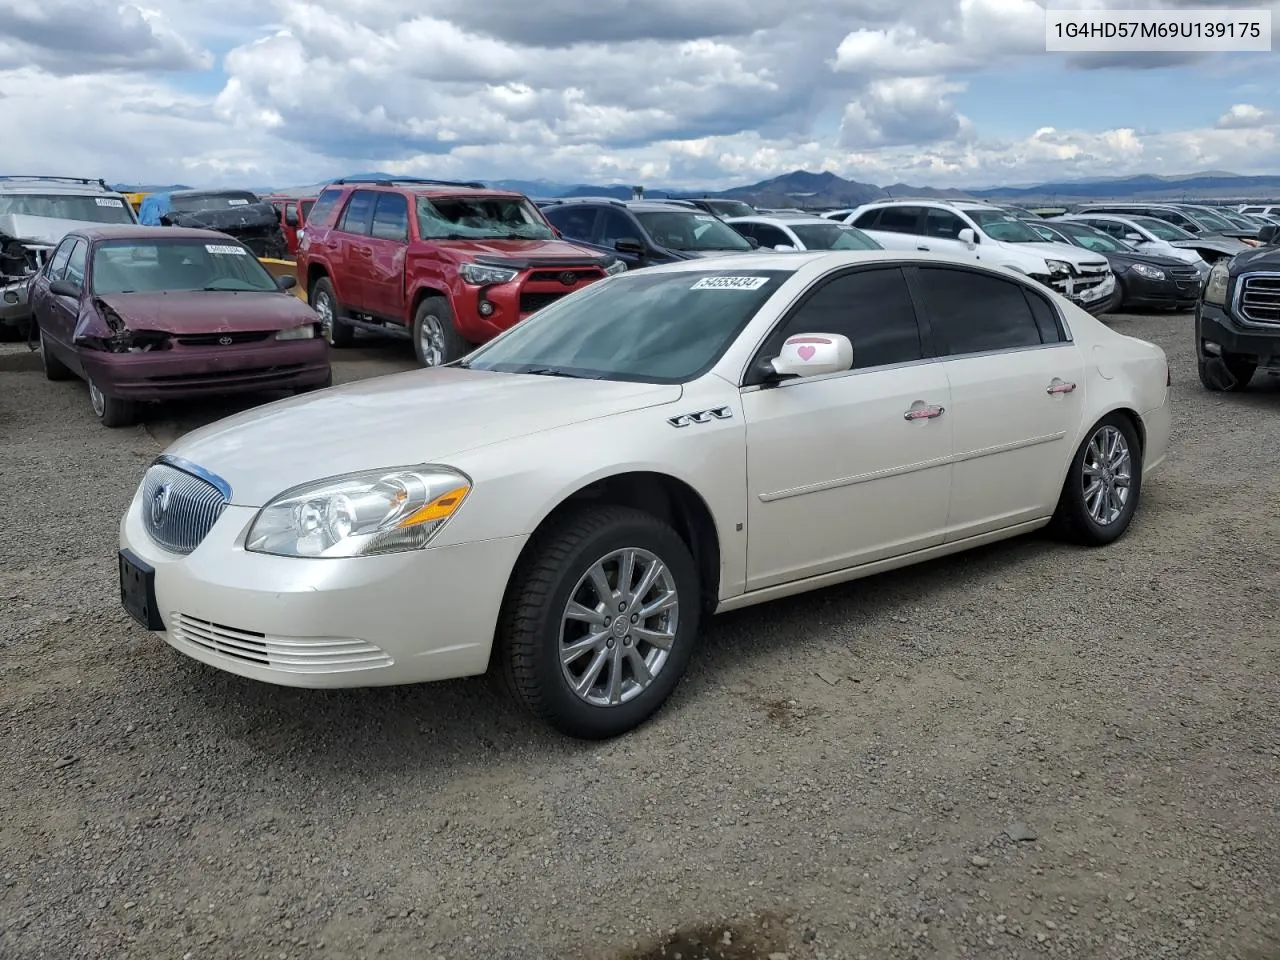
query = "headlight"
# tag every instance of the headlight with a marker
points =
(1215, 288)
(618, 266)
(483, 275)
(361, 514)
(1151, 273)
(1057, 267)
(304, 332)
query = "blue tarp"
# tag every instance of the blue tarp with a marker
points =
(153, 207)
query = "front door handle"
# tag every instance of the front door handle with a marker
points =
(923, 411)
(1057, 386)
(922, 248)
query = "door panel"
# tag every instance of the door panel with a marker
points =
(387, 245)
(838, 476)
(355, 251)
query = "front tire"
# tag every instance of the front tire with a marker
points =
(1103, 485)
(324, 302)
(436, 340)
(600, 621)
(112, 411)
(1228, 373)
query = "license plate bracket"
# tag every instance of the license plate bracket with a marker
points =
(138, 590)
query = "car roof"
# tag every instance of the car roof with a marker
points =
(640, 205)
(780, 220)
(423, 188)
(133, 231)
(71, 186)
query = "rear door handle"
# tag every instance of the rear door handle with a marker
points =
(922, 411)
(1057, 386)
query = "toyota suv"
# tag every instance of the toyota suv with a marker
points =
(446, 263)
(981, 231)
(35, 213)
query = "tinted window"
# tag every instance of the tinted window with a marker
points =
(1112, 228)
(943, 224)
(898, 220)
(770, 236)
(325, 204)
(574, 222)
(58, 263)
(1046, 317)
(833, 236)
(391, 217)
(355, 219)
(872, 308)
(866, 221)
(689, 230)
(76, 264)
(306, 206)
(746, 229)
(614, 226)
(973, 312)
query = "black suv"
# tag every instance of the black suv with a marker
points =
(1238, 317)
(644, 233)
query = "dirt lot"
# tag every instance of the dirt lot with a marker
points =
(1032, 750)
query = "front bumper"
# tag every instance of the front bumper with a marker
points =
(208, 371)
(411, 617)
(1216, 325)
(509, 303)
(1139, 291)
(1094, 298)
(19, 311)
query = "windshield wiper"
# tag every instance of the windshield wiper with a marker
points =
(555, 372)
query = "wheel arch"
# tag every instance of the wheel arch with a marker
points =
(422, 293)
(315, 273)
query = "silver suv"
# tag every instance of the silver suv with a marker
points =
(35, 213)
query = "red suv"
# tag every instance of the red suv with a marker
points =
(446, 263)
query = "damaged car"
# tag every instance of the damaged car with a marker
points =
(238, 213)
(157, 313)
(35, 213)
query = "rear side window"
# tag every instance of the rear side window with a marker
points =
(897, 220)
(574, 222)
(391, 217)
(323, 208)
(975, 313)
(356, 218)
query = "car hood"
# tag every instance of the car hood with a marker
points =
(1218, 244)
(555, 251)
(1062, 251)
(422, 416)
(48, 230)
(1124, 260)
(1257, 258)
(202, 311)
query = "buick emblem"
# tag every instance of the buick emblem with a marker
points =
(160, 504)
(225, 341)
(568, 278)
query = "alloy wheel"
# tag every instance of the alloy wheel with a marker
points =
(97, 400)
(1107, 475)
(431, 340)
(323, 307)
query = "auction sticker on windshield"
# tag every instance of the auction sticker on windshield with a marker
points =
(237, 203)
(225, 249)
(730, 283)
(108, 202)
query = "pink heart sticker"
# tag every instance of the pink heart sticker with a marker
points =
(806, 352)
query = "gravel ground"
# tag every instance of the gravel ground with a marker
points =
(1029, 750)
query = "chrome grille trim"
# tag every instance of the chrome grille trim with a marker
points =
(1258, 298)
(290, 654)
(180, 503)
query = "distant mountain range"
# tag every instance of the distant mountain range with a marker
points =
(801, 188)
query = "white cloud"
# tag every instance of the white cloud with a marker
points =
(1245, 116)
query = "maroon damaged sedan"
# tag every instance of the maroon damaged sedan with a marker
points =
(156, 313)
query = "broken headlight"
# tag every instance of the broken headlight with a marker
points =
(304, 332)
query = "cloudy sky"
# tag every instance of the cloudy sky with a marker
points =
(709, 93)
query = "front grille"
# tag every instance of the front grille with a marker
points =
(220, 376)
(179, 508)
(1260, 298)
(529, 302)
(292, 654)
(580, 275)
(224, 339)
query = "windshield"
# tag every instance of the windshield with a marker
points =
(999, 225)
(1162, 229)
(193, 203)
(167, 266)
(678, 230)
(643, 326)
(88, 209)
(487, 218)
(832, 236)
(1092, 239)
(730, 208)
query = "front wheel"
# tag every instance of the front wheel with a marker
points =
(436, 340)
(1103, 484)
(112, 411)
(333, 328)
(599, 623)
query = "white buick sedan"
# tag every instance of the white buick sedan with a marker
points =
(566, 505)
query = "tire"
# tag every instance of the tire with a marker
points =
(1074, 520)
(1226, 374)
(332, 326)
(534, 615)
(54, 369)
(112, 411)
(436, 340)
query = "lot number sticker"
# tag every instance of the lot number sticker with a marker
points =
(730, 283)
(223, 248)
(237, 203)
(108, 202)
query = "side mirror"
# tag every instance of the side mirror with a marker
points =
(64, 288)
(1135, 238)
(782, 247)
(286, 281)
(1270, 235)
(967, 237)
(628, 245)
(755, 244)
(813, 354)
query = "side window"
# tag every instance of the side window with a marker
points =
(76, 264)
(867, 221)
(614, 225)
(1047, 321)
(899, 220)
(744, 229)
(771, 236)
(942, 224)
(391, 217)
(574, 221)
(58, 262)
(1110, 227)
(290, 214)
(306, 207)
(872, 308)
(1178, 220)
(355, 219)
(974, 312)
(324, 206)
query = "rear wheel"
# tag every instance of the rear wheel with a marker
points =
(112, 411)
(436, 340)
(333, 328)
(1103, 484)
(54, 369)
(600, 622)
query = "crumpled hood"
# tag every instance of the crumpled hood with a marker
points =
(1062, 251)
(202, 311)
(422, 416)
(1219, 244)
(557, 251)
(50, 230)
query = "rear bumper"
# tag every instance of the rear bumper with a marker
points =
(193, 372)
(1215, 325)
